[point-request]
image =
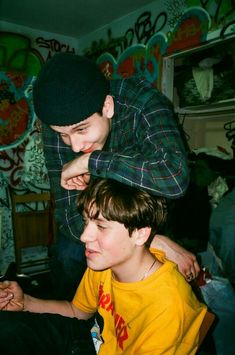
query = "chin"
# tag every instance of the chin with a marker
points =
(97, 267)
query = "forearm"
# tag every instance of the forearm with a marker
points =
(185, 260)
(162, 173)
(162, 243)
(36, 305)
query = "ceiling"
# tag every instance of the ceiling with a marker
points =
(73, 18)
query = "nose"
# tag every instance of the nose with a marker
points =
(88, 234)
(76, 145)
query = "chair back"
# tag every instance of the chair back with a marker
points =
(33, 225)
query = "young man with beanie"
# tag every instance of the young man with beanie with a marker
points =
(121, 129)
(141, 303)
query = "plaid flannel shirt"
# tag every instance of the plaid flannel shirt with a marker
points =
(144, 149)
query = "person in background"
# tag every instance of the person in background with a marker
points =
(121, 129)
(130, 289)
(221, 237)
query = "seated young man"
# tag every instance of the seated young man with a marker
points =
(141, 303)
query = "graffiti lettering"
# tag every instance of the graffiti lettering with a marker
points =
(130, 35)
(115, 46)
(144, 28)
(226, 28)
(220, 14)
(53, 45)
(142, 31)
(11, 163)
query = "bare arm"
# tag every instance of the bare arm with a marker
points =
(12, 298)
(64, 308)
(186, 261)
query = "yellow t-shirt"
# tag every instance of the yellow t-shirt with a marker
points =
(158, 315)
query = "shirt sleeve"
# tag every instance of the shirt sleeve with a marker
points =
(156, 162)
(56, 155)
(85, 298)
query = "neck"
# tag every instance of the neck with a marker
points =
(136, 270)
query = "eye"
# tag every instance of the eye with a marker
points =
(101, 227)
(81, 129)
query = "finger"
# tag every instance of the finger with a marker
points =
(80, 183)
(87, 178)
(192, 273)
(197, 268)
(190, 277)
(3, 295)
(73, 186)
(18, 305)
(78, 180)
(6, 300)
(68, 184)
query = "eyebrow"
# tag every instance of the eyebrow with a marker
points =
(98, 219)
(80, 124)
(101, 219)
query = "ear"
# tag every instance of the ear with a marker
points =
(141, 235)
(108, 108)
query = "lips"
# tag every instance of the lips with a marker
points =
(89, 150)
(89, 253)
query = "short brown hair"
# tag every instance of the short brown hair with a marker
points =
(132, 207)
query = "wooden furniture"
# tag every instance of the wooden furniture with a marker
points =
(33, 226)
(205, 326)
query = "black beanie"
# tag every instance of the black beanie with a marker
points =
(68, 89)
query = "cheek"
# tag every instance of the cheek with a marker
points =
(66, 140)
(101, 132)
(90, 136)
(109, 244)
(117, 248)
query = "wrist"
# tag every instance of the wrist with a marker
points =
(83, 162)
(25, 303)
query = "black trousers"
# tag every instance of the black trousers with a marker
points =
(25, 333)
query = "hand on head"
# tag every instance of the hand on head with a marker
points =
(77, 183)
(75, 174)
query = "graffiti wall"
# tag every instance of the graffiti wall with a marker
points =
(159, 16)
(22, 165)
(164, 28)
